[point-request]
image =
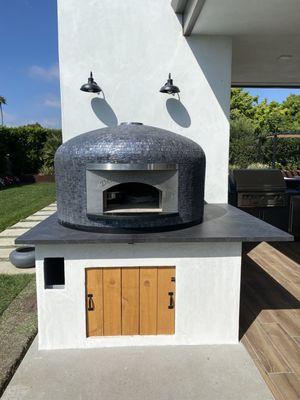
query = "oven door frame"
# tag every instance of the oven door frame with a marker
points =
(101, 177)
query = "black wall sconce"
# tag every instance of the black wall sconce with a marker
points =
(169, 88)
(91, 86)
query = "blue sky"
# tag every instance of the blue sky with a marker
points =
(273, 94)
(29, 64)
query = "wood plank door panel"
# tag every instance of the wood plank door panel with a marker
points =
(112, 301)
(94, 302)
(148, 301)
(130, 301)
(166, 301)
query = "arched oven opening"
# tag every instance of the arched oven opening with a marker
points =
(131, 198)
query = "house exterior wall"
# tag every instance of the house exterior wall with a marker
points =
(207, 292)
(131, 46)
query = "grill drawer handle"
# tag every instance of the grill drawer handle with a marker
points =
(171, 304)
(91, 305)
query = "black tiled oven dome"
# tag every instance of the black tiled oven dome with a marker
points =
(87, 164)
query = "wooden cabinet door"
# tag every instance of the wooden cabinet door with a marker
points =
(148, 301)
(130, 301)
(166, 301)
(94, 301)
(112, 301)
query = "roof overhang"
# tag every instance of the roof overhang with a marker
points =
(239, 17)
(190, 10)
(265, 36)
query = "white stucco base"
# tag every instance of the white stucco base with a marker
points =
(207, 292)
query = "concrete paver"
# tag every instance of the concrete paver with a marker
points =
(13, 232)
(135, 373)
(4, 252)
(8, 236)
(38, 218)
(7, 242)
(7, 268)
(25, 224)
(41, 213)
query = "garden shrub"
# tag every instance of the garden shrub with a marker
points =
(253, 122)
(243, 143)
(54, 140)
(25, 146)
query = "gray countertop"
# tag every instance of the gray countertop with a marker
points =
(222, 223)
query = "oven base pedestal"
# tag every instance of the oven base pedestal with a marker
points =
(207, 292)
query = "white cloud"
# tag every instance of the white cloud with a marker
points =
(52, 101)
(47, 74)
(9, 118)
(15, 120)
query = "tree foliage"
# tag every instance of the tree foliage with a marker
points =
(252, 121)
(54, 140)
(242, 104)
(24, 146)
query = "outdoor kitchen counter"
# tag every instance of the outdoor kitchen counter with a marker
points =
(222, 223)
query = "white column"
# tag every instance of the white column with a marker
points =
(131, 46)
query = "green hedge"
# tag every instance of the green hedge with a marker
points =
(25, 146)
(249, 147)
(251, 122)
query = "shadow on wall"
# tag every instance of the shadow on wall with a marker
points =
(104, 112)
(178, 112)
(210, 69)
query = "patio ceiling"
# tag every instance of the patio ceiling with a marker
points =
(265, 36)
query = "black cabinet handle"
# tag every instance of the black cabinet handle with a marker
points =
(91, 305)
(171, 304)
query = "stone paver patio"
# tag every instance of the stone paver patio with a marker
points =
(8, 236)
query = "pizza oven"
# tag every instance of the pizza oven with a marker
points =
(130, 177)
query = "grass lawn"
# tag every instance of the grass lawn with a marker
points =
(18, 322)
(10, 287)
(19, 202)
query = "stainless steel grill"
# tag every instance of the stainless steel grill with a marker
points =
(258, 188)
(258, 199)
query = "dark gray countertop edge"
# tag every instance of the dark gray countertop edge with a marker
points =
(124, 241)
(222, 223)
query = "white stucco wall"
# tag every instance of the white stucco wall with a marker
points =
(207, 292)
(131, 46)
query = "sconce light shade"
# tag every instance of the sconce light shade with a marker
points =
(169, 88)
(91, 86)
